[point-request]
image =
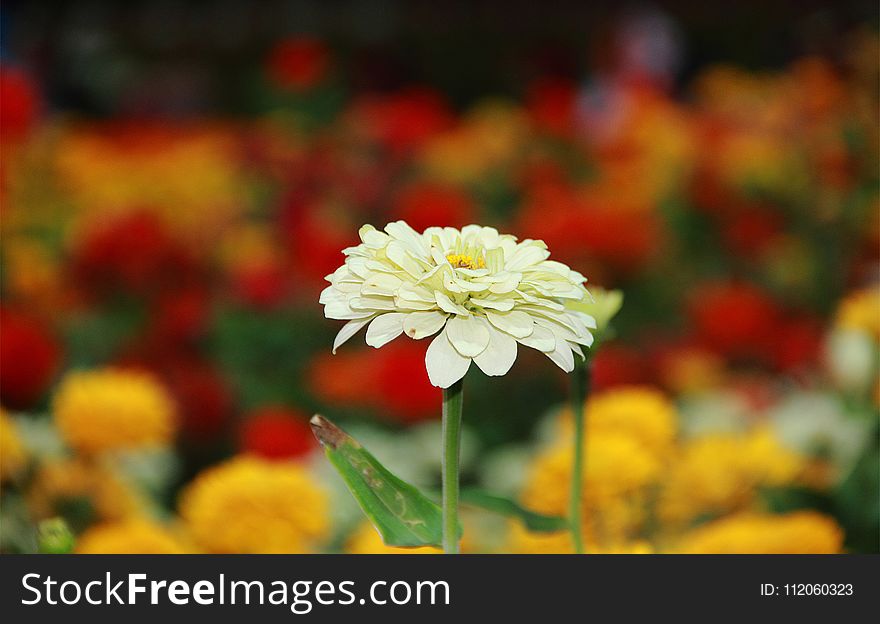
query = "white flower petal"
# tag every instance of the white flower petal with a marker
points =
(468, 335)
(433, 272)
(414, 306)
(502, 305)
(541, 302)
(385, 328)
(412, 292)
(448, 305)
(499, 356)
(357, 267)
(510, 283)
(445, 365)
(438, 257)
(373, 238)
(348, 330)
(516, 323)
(398, 254)
(466, 285)
(552, 266)
(562, 356)
(372, 303)
(403, 232)
(418, 325)
(541, 339)
(562, 328)
(383, 284)
(332, 294)
(528, 253)
(588, 320)
(341, 311)
(383, 266)
(348, 288)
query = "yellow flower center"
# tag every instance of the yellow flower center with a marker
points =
(461, 261)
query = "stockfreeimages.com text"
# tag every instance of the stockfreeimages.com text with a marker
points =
(300, 595)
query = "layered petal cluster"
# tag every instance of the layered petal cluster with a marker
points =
(480, 292)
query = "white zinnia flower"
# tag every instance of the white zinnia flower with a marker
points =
(483, 291)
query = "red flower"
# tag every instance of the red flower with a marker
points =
(132, 253)
(19, 103)
(29, 359)
(405, 120)
(578, 229)
(181, 315)
(263, 286)
(315, 234)
(276, 432)
(552, 105)
(204, 397)
(299, 64)
(331, 377)
(738, 320)
(400, 382)
(391, 380)
(618, 365)
(426, 204)
(752, 231)
(798, 344)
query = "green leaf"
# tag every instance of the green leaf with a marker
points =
(399, 511)
(533, 521)
(54, 537)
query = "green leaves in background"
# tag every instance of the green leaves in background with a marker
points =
(54, 537)
(533, 521)
(399, 511)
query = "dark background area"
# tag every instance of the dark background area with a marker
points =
(176, 58)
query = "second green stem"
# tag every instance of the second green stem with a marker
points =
(580, 382)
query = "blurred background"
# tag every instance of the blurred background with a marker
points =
(177, 179)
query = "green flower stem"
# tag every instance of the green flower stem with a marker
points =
(580, 387)
(452, 400)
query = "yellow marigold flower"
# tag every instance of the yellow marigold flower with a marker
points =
(617, 464)
(641, 413)
(489, 137)
(130, 537)
(617, 474)
(637, 547)
(13, 456)
(801, 532)
(250, 505)
(83, 488)
(190, 177)
(861, 311)
(720, 473)
(523, 542)
(112, 409)
(365, 540)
